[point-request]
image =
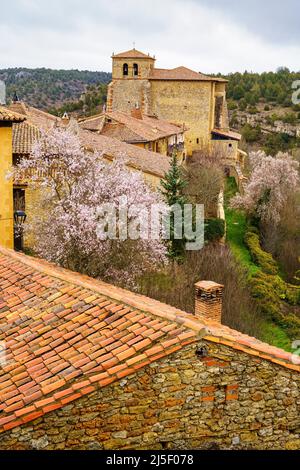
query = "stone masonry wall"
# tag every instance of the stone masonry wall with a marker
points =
(228, 400)
(186, 102)
(125, 94)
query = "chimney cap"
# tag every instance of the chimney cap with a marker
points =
(208, 285)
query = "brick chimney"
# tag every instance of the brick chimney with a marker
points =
(136, 112)
(208, 300)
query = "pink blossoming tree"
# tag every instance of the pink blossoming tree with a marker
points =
(70, 185)
(270, 184)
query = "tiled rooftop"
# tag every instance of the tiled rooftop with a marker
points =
(182, 73)
(228, 133)
(67, 335)
(132, 54)
(147, 129)
(24, 135)
(37, 117)
(138, 158)
(64, 338)
(7, 115)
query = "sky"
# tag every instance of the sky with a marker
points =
(210, 36)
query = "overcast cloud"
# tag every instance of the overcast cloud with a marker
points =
(206, 35)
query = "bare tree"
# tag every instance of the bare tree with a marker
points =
(204, 176)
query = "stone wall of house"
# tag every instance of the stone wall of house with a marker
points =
(228, 399)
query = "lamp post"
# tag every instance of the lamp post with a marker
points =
(19, 218)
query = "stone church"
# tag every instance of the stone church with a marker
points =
(180, 95)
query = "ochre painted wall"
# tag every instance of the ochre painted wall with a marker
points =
(6, 188)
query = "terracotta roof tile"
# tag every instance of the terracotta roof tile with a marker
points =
(138, 158)
(182, 73)
(129, 129)
(7, 115)
(34, 116)
(50, 368)
(227, 133)
(24, 136)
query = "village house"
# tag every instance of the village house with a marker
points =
(87, 365)
(180, 96)
(144, 131)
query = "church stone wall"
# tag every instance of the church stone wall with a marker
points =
(186, 102)
(124, 95)
(144, 67)
(228, 399)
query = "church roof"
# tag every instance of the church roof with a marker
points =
(182, 73)
(132, 54)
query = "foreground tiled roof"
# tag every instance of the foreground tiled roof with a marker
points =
(67, 335)
(37, 117)
(182, 73)
(138, 158)
(147, 129)
(7, 115)
(24, 135)
(132, 54)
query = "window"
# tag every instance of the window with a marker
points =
(135, 70)
(197, 141)
(125, 69)
(230, 145)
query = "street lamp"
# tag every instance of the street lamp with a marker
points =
(19, 218)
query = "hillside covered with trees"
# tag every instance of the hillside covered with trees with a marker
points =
(248, 89)
(84, 92)
(262, 109)
(50, 89)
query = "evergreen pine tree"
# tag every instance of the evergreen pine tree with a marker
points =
(173, 185)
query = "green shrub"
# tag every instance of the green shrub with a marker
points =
(293, 294)
(214, 229)
(251, 134)
(253, 110)
(232, 105)
(270, 292)
(259, 256)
